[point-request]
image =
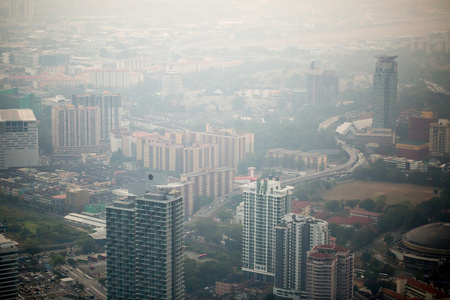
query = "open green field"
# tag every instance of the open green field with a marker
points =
(395, 192)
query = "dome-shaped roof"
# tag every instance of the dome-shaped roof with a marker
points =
(433, 238)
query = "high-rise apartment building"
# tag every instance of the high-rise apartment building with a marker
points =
(295, 236)
(233, 144)
(200, 156)
(144, 246)
(322, 86)
(18, 139)
(329, 273)
(172, 84)
(9, 279)
(266, 202)
(211, 182)
(110, 110)
(385, 79)
(440, 138)
(76, 129)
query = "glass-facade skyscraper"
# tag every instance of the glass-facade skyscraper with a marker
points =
(144, 247)
(385, 80)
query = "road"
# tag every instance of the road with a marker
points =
(90, 285)
(355, 160)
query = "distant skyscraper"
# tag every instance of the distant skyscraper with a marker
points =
(9, 279)
(110, 110)
(144, 247)
(172, 84)
(76, 129)
(295, 236)
(385, 80)
(440, 138)
(329, 273)
(18, 139)
(322, 86)
(265, 205)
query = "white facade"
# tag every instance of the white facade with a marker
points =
(18, 138)
(294, 237)
(265, 205)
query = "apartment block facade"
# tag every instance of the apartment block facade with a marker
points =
(295, 236)
(440, 138)
(329, 273)
(265, 204)
(110, 106)
(145, 247)
(9, 279)
(76, 129)
(211, 182)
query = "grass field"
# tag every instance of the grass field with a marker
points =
(395, 192)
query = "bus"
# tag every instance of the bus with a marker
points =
(82, 261)
(383, 275)
(101, 256)
(202, 256)
(92, 258)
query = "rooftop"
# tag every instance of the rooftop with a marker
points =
(17, 115)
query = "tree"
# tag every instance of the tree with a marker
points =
(368, 204)
(32, 248)
(86, 243)
(225, 214)
(333, 205)
(58, 260)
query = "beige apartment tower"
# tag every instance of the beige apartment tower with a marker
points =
(76, 129)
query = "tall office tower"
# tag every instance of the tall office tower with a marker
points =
(172, 85)
(76, 129)
(322, 86)
(295, 236)
(18, 138)
(265, 205)
(419, 127)
(76, 200)
(233, 144)
(329, 273)
(144, 246)
(9, 279)
(211, 182)
(440, 138)
(110, 110)
(13, 99)
(385, 110)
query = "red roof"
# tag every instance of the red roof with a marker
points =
(300, 204)
(427, 288)
(393, 294)
(322, 215)
(62, 196)
(320, 255)
(364, 212)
